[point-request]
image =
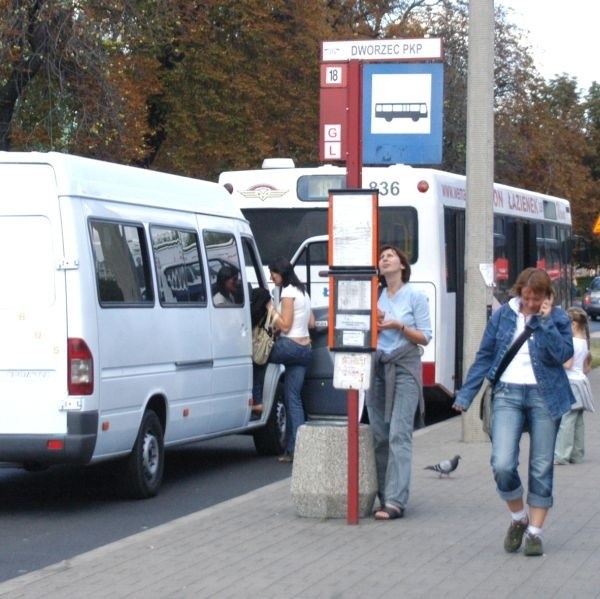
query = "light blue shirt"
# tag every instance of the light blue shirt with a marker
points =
(408, 306)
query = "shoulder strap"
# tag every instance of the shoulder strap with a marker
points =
(512, 352)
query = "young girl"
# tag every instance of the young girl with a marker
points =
(570, 441)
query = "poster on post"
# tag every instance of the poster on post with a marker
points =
(353, 229)
(353, 239)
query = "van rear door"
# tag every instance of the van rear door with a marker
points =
(33, 323)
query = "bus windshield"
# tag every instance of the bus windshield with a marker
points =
(279, 232)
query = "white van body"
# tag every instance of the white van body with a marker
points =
(111, 342)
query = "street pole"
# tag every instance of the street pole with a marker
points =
(354, 181)
(479, 223)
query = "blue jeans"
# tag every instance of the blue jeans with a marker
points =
(570, 443)
(295, 357)
(515, 406)
(393, 439)
(258, 379)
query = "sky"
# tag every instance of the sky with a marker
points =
(563, 35)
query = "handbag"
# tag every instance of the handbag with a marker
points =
(487, 388)
(485, 408)
(263, 338)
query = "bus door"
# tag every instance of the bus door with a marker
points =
(521, 247)
(454, 225)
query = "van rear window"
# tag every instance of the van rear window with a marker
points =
(26, 261)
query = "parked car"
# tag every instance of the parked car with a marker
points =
(591, 299)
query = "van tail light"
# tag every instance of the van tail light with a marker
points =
(80, 368)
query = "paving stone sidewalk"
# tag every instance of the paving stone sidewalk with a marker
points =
(448, 545)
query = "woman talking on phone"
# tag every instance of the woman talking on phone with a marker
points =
(533, 392)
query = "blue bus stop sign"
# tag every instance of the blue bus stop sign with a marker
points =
(402, 113)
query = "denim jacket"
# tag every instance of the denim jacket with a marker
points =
(550, 345)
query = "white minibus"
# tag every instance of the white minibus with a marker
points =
(112, 345)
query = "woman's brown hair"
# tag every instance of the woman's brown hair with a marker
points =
(579, 316)
(537, 279)
(403, 260)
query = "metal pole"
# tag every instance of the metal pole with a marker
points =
(480, 188)
(353, 458)
(354, 180)
(354, 158)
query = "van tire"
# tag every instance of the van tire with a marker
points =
(270, 439)
(145, 465)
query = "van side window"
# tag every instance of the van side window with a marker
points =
(121, 263)
(178, 266)
(254, 268)
(224, 268)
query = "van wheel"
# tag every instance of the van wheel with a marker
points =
(270, 439)
(34, 466)
(145, 465)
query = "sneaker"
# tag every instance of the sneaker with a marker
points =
(533, 545)
(286, 458)
(514, 535)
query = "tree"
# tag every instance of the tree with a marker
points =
(199, 86)
(245, 85)
(72, 77)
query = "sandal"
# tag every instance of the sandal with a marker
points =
(389, 512)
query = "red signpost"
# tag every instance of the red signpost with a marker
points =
(341, 92)
(353, 180)
(341, 141)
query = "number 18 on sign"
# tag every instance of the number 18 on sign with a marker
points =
(333, 115)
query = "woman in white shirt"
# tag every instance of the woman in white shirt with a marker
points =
(292, 318)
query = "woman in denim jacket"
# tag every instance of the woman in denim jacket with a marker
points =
(533, 393)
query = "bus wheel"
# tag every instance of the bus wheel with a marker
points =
(145, 465)
(270, 439)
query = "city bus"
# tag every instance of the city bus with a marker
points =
(401, 110)
(422, 211)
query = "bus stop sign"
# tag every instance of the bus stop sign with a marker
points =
(402, 112)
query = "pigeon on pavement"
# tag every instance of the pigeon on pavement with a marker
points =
(445, 466)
